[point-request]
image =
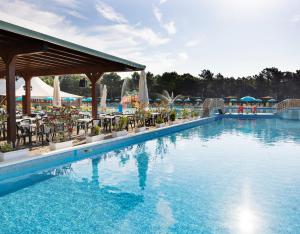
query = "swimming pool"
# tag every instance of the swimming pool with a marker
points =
(228, 176)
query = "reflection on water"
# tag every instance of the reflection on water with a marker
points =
(192, 181)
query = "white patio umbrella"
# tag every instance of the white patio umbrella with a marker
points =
(103, 99)
(56, 93)
(143, 90)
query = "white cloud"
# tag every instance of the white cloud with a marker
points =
(76, 14)
(157, 14)
(168, 26)
(192, 43)
(295, 19)
(109, 13)
(162, 1)
(183, 56)
(133, 42)
(67, 3)
(135, 32)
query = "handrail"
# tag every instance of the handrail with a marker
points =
(287, 104)
(211, 104)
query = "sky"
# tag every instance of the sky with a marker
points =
(231, 37)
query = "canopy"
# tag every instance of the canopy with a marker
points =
(248, 99)
(258, 100)
(103, 99)
(40, 89)
(272, 100)
(233, 100)
(143, 90)
(56, 93)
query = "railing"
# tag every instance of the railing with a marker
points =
(287, 104)
(212, 104)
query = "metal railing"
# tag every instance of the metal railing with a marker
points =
(210, 105)
(287, 104)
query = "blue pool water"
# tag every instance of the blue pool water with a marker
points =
(229, 176)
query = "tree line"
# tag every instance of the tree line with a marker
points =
(269, 82)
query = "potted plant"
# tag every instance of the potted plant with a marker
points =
(120, 127)
(140, 120)
(195, 115)
(62, 122)
(95, 135)
(159, 122)
(8, 152)
(185, 115)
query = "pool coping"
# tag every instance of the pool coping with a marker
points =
(138, 137)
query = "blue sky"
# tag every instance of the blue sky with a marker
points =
(233, 37)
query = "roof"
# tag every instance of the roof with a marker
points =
(39, 89)
(54, 51)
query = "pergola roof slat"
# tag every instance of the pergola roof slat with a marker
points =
(57, 50)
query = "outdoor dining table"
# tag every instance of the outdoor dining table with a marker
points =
(27, 118)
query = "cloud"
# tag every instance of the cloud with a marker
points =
(168, 26)
(136, 32)
(192, 43)
(109, 13)
(295, 19)
(133, 42)
(183, 56)
(76, 14)
(157, 14)
(162, 1)
(67, 3)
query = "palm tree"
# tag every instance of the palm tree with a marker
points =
(169, 99)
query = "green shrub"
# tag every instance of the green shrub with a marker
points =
(95, 131)
(6, 147)
(185, 113)
(159, 120)
(122, 124)
(173, 115)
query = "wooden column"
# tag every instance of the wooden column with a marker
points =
(94, 77)
(27, 101)
(10, 66)
(94, 100)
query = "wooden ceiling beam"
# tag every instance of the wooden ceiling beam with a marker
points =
(68, 70)
(71, 55)
(43, 60)
(18, 49)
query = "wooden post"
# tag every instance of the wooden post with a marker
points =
(94, 100)
(27, 102)
(94, 77)
(10, 67)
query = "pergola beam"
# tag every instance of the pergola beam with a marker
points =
(34, 48)
(69, 70)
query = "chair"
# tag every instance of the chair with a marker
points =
(22, 133)
(3, 129)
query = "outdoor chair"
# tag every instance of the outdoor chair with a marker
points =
(40, 131)
(23, 132)
(3, 130)
(131, 122)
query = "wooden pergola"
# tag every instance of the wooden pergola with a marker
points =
(26, 53)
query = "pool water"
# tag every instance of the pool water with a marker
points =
(228, 176)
